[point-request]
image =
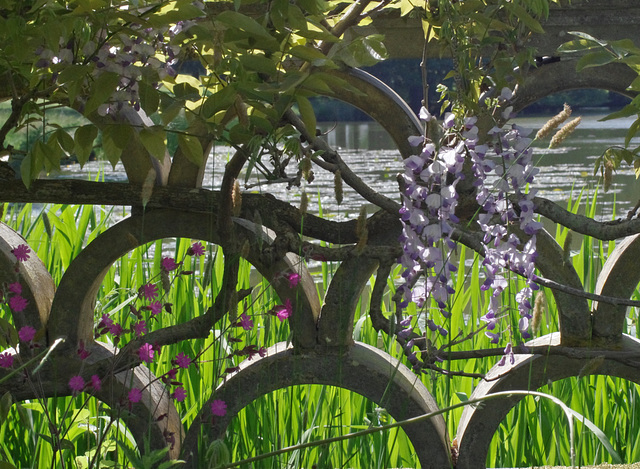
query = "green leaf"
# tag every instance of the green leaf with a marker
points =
(101, 90)
(309, 54)
(578, 45)
(5, 406)
(64, 140)
(236, 20)
(258, 63)
(523, 16)
(115, 138)
(636, 167)
(633, 130)
(8, 334)
(624, 46)
(83, 142)
(154, 140)
(219, 101)
(149, 97)
(192, 149)
(588, 37)
(363, 51)
(595, 59)
(462, 396)
(186, 91)
(307, 114)
(628, 110)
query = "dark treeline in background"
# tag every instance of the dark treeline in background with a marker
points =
(404, 76)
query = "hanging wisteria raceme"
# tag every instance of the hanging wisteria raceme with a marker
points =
(502, 169)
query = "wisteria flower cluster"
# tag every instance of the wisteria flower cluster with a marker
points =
(140, 50)
(502, 169)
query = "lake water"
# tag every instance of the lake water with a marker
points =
(565, 171)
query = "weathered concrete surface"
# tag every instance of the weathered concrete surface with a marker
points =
(604, 19)
(619, 278)
(362, 369)
(37, 284)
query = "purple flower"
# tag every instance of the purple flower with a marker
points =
(155, 307)
(284, 311)
(218, 408)
(196, 249)
(146, 353)
(6, 360)
(294, 279)
(76, 383)
(26, 333)
(21, 252)
(182, 360)
(149, 291)
(18, 303)
(168, 264)
(140, 328)
(15, 288)
(179, 394)
(245, 322)
(95, 382)
(135, 395)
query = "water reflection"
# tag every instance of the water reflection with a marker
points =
(370, 152)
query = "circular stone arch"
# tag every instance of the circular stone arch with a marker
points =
(72, 311)
(361, 368)
(561, 75)
(529, 372)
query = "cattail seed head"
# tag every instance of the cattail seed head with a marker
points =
(236, 198)
(539, 307)
(608, 175)
(564, 132)
(554, 122)
(305, 168)
(304, 203)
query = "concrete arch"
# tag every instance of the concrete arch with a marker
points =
(559, 76)
(361, 368)
(529, 372)
(37, 284)
(72, 309)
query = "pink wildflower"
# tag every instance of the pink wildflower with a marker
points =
(182, 360)
(146, 353)
(76, 383)
(245, 322)
(83, 353)
(15, 288)
(140, 328)
(179, 394)
(18, 303)
(116, 329)
(6, 360)
(105, 321)
(96, 383)
(196, 249)
(218, 408)
(168, 264)
(149, 291)
(21, 252)
(155, 307)
(294, 279)
(135, 395)
(26, 333)
(284, 311)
